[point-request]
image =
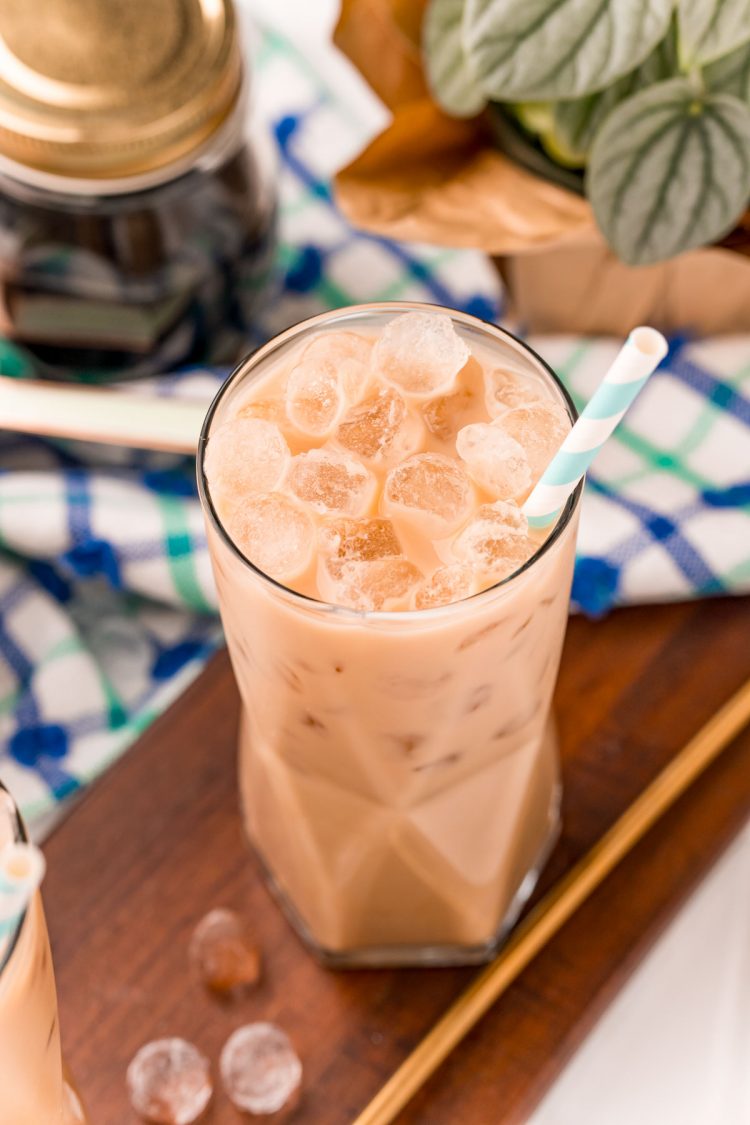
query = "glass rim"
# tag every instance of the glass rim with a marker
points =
(20, 836)
(319, 320)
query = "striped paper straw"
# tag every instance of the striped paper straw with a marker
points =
(636, 361)
(21, 871)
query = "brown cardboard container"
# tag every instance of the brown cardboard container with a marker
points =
(431, 178)
(586, 290)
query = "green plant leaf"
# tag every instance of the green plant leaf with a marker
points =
(449, 75)
(711, 28)
(528, 50)
(576, 122)
(730, 74)
(524, 149)
(669, 170)
(536, 117)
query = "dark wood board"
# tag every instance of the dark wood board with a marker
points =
(158, 841)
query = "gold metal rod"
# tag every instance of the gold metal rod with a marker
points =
(554, 910)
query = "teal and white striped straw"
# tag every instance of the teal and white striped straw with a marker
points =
(22, 869)
(636, 361)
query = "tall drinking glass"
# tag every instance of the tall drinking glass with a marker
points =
(398, 771)
(33, 1087)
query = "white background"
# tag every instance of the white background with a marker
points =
(674, 1048)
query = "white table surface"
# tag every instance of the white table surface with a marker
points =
(674, 1047)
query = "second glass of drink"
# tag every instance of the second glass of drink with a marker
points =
(33, 1086)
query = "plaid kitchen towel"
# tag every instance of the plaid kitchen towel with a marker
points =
(107, 607)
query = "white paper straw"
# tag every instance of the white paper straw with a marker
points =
(636, 361)
(99, 414)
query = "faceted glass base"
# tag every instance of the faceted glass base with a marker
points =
(423, 956)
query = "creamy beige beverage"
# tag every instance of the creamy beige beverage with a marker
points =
(394, 626)
(33, 1090)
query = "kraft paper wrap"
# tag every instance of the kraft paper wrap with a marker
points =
(431, 178)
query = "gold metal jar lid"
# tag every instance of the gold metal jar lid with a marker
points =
(105, 89)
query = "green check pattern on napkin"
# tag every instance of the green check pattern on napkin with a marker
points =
(667, 507)
(107, 607)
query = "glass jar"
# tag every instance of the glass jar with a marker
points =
(137, 214)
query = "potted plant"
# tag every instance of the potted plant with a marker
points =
(599, 148)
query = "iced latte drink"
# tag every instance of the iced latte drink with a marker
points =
(394, 625)
(33, 1089)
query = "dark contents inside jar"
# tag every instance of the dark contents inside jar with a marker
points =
(133, 284)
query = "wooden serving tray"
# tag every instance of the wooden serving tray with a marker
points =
(158, 842)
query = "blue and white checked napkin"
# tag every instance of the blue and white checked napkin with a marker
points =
(107, 608)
